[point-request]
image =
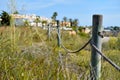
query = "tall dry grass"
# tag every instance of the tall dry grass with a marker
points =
(29, 55)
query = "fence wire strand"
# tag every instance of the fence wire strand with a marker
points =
(104, 57)
(93, 46)
(70, 51)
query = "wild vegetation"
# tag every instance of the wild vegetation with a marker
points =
(27, 54)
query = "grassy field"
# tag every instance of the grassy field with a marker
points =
(27, 54)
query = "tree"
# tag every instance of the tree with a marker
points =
(55, 14)
(65, 20)
(5, 18)
(26, 23)
(116, 28)
(37, 20)
(75, 22)
(16, 12)
(44, 22)
(70, 20)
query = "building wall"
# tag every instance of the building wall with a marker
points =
(19, 19)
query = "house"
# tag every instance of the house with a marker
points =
(85, 30)
(30, 18)
(66, 24)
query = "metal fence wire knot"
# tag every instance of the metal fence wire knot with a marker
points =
(101, 34)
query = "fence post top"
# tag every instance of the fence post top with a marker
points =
(58, 23)
(97, 15)
(97, 20)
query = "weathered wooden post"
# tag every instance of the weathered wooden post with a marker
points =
(0, 21)
(96, 40)
(49, 30)
(58, 32)
(59, 54)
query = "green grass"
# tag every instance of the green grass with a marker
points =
(27, 54)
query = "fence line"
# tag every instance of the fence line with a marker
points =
(95, 43)
(81, 48)
(92, 45)
(70, 51)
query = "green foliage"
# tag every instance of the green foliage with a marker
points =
(16, 12)
(26, 23)
(55, 14)
(75, 28)
(44, 22)
(75, 22)
(70, 20)
(108, 71)
(5, 18)
(118, 41)
(65, 19)
(112, 44)
(84, 34)
(37, 20)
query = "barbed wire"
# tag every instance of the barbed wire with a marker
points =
(104, 57)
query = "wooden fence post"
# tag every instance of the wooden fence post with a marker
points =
(58, 32)
(0, 21)
(96, 40)
(49, 30)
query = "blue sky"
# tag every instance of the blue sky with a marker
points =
(80, 9)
